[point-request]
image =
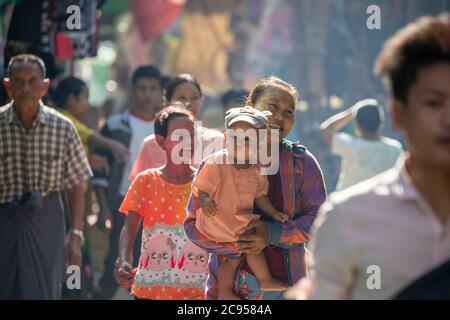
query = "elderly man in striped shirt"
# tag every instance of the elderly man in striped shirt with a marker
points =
(41, 155)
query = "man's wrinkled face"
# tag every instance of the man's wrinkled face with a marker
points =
(425, 117)
(26, 84)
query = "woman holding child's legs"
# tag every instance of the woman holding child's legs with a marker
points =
(297, 189)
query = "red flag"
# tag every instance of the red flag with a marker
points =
(153, 17)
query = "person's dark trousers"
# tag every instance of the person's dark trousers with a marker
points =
(108, 284)
(32, 247)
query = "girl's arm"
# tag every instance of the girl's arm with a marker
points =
(128, 236)
(124, 269)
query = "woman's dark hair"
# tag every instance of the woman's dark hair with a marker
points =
(180, 79)
(67, 87)
(419, 44)
(163, 118)
(272, 83)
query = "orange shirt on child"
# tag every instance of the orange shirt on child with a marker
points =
(171, 266)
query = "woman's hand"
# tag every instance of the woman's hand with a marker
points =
(255, 237)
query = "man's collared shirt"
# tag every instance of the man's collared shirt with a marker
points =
(373, 239)
(48, 157)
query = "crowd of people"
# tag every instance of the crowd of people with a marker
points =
(215, 226)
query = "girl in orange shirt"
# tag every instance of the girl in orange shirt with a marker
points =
(170, 265)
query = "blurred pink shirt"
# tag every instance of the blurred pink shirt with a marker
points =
(151, 155)
(373, 239)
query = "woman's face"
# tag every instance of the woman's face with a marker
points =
(189, 96)
(279, 103)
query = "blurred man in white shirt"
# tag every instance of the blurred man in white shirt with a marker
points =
(367, 153)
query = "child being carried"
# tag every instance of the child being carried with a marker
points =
(227, 190)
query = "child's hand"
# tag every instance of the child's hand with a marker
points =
(208, 205)
(280, 216)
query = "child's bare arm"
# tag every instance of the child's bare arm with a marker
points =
(208, 205)
(266, 206)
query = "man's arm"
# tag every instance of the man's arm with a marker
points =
(101, 179)
(119, 151)
(332, 266)
(77, 171)
(76, 204)
(105, 212)
(333, 124)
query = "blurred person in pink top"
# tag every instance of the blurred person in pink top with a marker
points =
(227, 187)
(186, 89)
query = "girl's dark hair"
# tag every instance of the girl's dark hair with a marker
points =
(419, 44)
(163, 118)
(180, 79)
(67, 87)
(272, 83)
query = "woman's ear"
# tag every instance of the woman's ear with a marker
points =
(161, 141)
(249, 103)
